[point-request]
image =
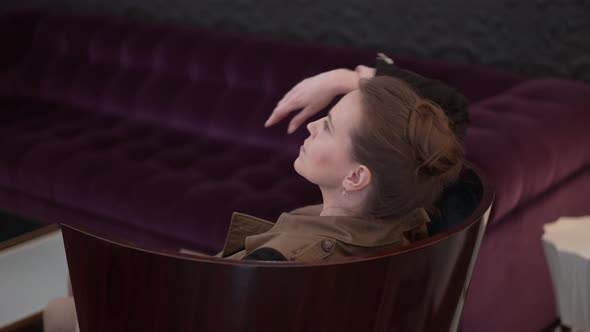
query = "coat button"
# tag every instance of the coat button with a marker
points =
(327, 245)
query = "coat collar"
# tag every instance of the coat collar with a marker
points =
(307, 221)
(351, 230)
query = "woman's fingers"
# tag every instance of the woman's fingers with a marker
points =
(273, 118)
(291, 102)
(287, 97)
(295, 91)
(300, 118)
(304, 95)
(280, 112)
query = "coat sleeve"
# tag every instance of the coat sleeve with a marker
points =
(448, 98)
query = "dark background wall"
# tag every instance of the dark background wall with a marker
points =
(537, 37)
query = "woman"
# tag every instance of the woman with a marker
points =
(381, 157)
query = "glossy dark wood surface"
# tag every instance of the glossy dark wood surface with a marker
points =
(119, 287)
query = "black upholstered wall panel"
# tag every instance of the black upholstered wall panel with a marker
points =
(539, 37)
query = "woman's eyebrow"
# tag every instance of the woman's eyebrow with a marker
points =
(330, 120)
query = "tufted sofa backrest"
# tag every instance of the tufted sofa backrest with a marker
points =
(204, 81)
(212, 83)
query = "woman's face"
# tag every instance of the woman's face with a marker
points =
(325, 157)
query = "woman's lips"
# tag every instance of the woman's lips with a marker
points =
(302, 148)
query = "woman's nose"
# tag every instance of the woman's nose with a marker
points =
(311, 128)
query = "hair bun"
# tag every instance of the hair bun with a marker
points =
(434, 144)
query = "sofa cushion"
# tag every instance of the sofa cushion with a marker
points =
(530, 139)
(162, 180)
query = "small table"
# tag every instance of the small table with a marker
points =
(33, 271)
(567, 247)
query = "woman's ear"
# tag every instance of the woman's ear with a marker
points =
(357, 179)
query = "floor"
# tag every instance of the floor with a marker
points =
(13, 226)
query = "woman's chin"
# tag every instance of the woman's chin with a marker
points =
(297, 166)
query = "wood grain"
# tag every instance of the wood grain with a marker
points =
(120, 287)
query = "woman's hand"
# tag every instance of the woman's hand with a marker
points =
(365, 72)
(312, 95)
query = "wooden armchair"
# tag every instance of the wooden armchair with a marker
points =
(121, 287)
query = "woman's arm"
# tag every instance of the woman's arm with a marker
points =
(315, 93)
(312, 95)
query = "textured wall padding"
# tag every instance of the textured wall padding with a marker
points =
(540, 37)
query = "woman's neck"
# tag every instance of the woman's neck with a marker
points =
(336, 204)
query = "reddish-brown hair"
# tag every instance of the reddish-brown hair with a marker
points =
(407, 144)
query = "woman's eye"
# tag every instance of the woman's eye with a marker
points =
(326, 127)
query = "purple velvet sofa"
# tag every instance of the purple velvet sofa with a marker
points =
(155, 134)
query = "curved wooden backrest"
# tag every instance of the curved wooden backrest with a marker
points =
(120, 287)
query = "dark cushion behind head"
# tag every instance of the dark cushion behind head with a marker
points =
(457, 202)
